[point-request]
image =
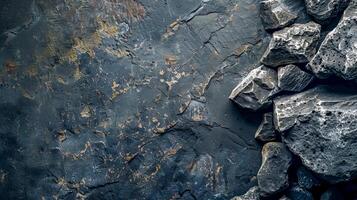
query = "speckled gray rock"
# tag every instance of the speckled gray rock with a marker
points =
(276, 14)
(321, 128)
(338, 53)
(273, 174)
(257, 89)
(298, 193)
(292, 78)
(292, 45)
(306, 179)
(251, 194)
(323, 10)
(266, 130)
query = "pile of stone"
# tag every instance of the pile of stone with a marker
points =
(317, 124)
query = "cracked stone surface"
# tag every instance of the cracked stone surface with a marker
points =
(337, 55)
(292, 45)
(323, 10)
(277, 14)
(320, 126)
(256, 90)
(127, 99)
(266, 129)
(291, 78)
(273, 174)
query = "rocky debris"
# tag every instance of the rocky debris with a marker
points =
(337, 55)
(266, 130)
(292, 78)
(252, 194)
(273, 174)
(324, 10)
(321, 128)
(306, 179)
(297, 193)
(276, 14)
(292, 45)
(256, 91)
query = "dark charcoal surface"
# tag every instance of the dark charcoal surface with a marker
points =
(125, 99)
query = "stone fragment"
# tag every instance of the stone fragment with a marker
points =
(321, 128)
(298, 193)
(257, 89)
(273, 174)
(292, 45)
(276, 14)
(306, 179)
(291, 78)
(252, 194)
(322, 10)
(337, 55)
(266, 130)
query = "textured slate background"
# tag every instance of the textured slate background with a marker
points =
(125, 99)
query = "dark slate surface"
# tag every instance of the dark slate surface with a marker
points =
(124, 99)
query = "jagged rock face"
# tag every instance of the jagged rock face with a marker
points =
(337, 55)
(255, 92)
(321, 128)
(273, 174)
(252, 194)
(292, 78)
(292, 45)
(266, 130)
(323, 10)
(276, 14)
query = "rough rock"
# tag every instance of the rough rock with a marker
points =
(251, 194)
(276, 14)
(322, 10)
(273, 174)
(321, 128)
(292, 78)
(256, 91)
(292, 45)
(337, 55)
(306, 179)
(298, 193)
(266, 130)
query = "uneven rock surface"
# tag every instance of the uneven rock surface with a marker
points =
(256, 90)
(292, 45)
(291, 78)
(323, 10)
(276, 14)
(127, 99)
(321, 128)
(266, 130)
(252, 194)
(337, 55)
(273, 174)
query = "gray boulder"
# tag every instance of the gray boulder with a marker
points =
(273, 174)
(326, 9)
(251, 194)
(276, 14)
(337, 55)
(292, 78)
(292, 45)
(257, 89)
(320, 126)
(266, 130)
